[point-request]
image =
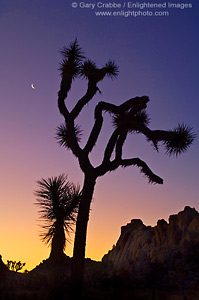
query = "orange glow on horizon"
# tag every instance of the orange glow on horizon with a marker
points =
(111, 209)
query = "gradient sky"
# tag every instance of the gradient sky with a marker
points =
(157, 56)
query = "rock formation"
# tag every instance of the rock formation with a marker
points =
(172, 245)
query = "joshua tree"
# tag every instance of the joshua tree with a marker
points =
(128, 117)
(58, 201)
(15, 266)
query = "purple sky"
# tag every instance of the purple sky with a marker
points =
(157, 56)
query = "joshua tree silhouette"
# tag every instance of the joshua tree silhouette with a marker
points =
(58, 201)
(128, 117)
(15, 266)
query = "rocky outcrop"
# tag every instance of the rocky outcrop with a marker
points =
(4, 273)
(139, 246)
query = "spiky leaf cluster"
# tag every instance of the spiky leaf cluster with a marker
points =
(71, 63)
(180, 140)
(73, 52)
(130, 121)
(62, 135)
(112, 69)
(87, 68)
(58, 202)
(90, 71)
(73, 66)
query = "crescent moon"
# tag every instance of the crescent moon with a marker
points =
(32, 86)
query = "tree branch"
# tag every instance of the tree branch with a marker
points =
(155, 135)
(110, 146)
(61, 104)
(136, 104)
(74, 145)
(91, 91)
(143, 167)
(118, 138)
(119, 145)
(95, 130)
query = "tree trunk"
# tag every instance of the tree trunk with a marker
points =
(77, 272)
(58, 241)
